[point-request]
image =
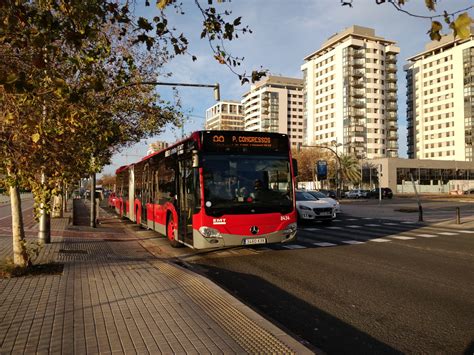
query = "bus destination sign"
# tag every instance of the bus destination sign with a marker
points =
(239, 141)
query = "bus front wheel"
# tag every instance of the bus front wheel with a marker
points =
(171, 232)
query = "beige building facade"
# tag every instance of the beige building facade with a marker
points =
(440, 101)
(226, 116)
(156, 147)
(275, 104)
(350, 94)
(429, 176)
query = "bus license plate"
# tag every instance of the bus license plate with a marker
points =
(252, 241)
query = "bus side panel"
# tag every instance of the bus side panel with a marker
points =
(127, 209)
(149, 215)
(137, 211)
(118, 206)
(159, 218)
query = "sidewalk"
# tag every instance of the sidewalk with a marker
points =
(115, 297)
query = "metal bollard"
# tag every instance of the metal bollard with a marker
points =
(458, 215)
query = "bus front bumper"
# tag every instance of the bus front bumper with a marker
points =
(229, 240)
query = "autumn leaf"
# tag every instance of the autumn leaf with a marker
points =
(35, 137)
(430, 4)
(434, 31)
(220, 59)
(161, 4)
(462, 26)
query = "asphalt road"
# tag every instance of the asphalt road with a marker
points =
(362, 285)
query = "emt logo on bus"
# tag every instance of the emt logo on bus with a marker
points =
(219, 221)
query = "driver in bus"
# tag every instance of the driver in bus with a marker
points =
(259, 190)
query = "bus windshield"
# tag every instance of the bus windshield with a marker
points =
(240, 184)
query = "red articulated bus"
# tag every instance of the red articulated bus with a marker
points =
(214, 189)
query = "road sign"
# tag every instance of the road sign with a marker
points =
(322, 169)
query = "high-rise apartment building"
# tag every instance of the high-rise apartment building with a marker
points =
(440, 101)
(225, 115)
(351, 94)
(275, 104)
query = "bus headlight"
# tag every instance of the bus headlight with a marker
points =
(290, 229)
(210, 232)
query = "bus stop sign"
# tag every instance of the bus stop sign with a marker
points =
(322, 169)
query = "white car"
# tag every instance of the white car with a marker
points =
(309, 208)
(320, 196)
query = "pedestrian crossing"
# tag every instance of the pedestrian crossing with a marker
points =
(359, 231)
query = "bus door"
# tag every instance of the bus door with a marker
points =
(146, 194)
(185, 201)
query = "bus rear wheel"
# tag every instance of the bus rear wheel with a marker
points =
(171, 232)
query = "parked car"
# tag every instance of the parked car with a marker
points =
(321, 196)
(386, 193)
(469, 192)
(357, 193)
(329, 193)
(309, 208)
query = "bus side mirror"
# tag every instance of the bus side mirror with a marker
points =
(195, 159)
(295, 167)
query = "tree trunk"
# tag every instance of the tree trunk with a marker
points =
(20, 256)
(44, 226)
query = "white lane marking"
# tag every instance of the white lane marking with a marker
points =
(295, 246)
(334, 228)
(311, 229)
(379, 240)
(408, 222)
(324, 244)
(352, 242)
(354, 226)
(391, 224)
(352, 219)
(426, 235)
(463, 231)
(446, 233)
(336, 220)
(372, 225)
(367, 218)
(402, 238)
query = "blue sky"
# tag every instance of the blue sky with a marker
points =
(284, 32)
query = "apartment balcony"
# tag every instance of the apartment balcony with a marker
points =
(391, 106)
(357, 103)
(391, 68)
(391, 97)
(391, 78)
(391, 87)
(356, 129)
(357, 141)
(392, 127)
(391, 116)
(358, 63)
(358, 93)
(391, 59)
(357, 73)
(358, 54)
(357, 83)
(357, 113)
